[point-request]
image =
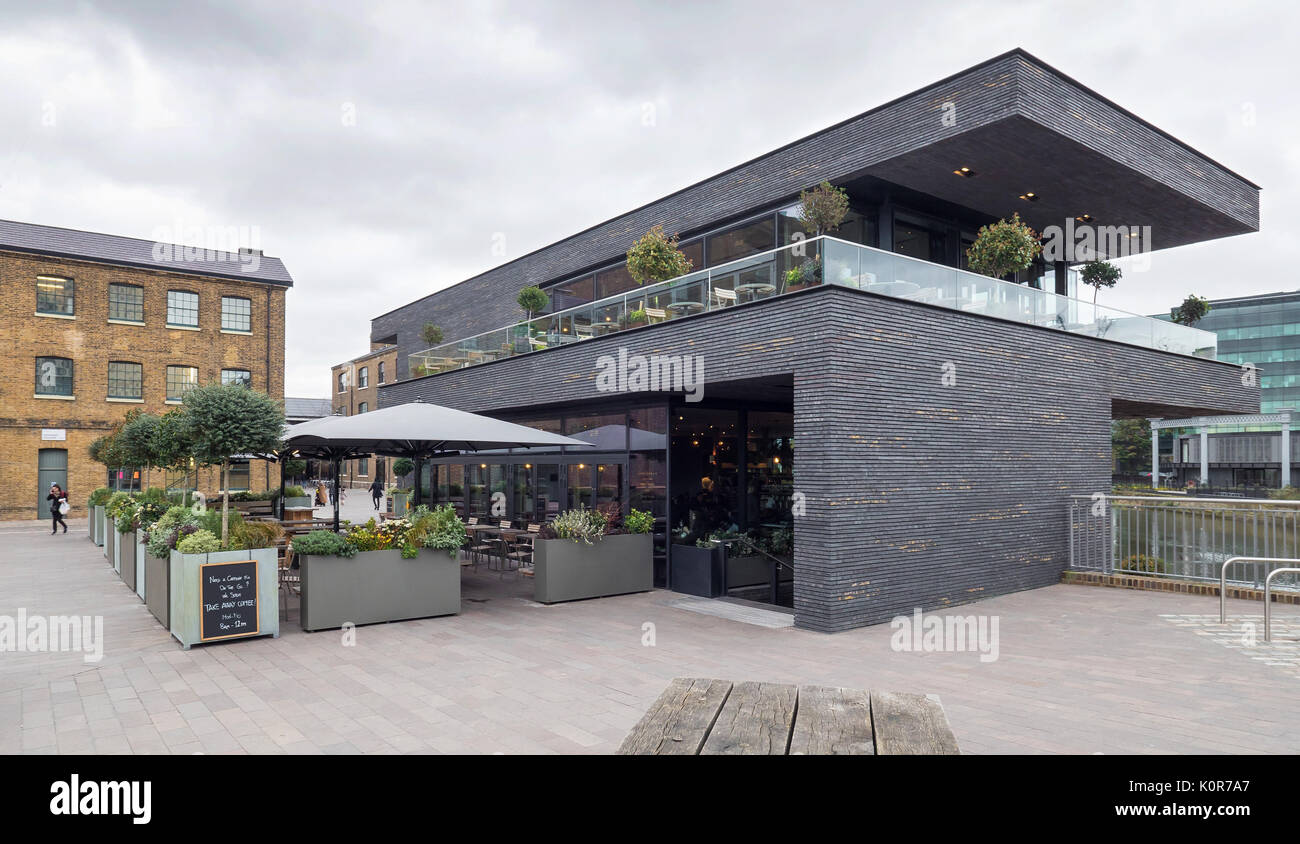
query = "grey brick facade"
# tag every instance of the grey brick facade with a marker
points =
(918, 494)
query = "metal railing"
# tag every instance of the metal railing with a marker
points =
(808, 263)
(1268, 599)
(1182, 537)
(1223, 580)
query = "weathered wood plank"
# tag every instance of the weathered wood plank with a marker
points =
(679, 721)
(907, 724)
(832, 721)
(755, 721)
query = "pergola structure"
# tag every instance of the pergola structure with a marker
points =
(1202, 425)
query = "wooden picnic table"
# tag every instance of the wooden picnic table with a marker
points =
(703, 717)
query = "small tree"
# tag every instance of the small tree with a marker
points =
(108, 451)
(1130, 444)
(402, 467)
(1098, 274)
(532, 300)
(1004, 247)
(431, 334)
(655, 257)
(225, 420)
(137, 437)
(823, 208)
(1191, 311)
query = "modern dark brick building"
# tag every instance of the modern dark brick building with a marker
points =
(918, 428)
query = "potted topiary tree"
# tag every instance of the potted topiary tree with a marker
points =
(655, 257)
(1191, 311)
(398, 496)
(1098, 274)
(1004, 247)
(823, 208)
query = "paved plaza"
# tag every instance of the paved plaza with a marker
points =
(1080, 670)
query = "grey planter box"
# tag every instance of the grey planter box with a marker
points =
(377, 586)
(140, 567)
(697, 571)
(298, 502)
(185, 600)
(95, 524)
(125, 554)
(397, 504)
(158, 592)
(564, 570)
(110, 542)
(101, 535)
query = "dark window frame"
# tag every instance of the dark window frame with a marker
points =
(139, 380)
(196, 309)
(71, 376)
(138, 290)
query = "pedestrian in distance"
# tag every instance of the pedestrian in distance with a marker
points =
(58, 508)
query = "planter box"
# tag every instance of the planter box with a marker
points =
(157, 594)
(141, 552)
(564, 570)
(697, 571)
(397, 504)
(110, 542)
(125, 555)
(185, 608)
(377, 586)
(297, 502)
(295, 514)
(101, 531)
(94, 523)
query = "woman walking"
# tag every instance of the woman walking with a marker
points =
(58, 500)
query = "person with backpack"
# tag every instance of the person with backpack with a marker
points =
(58, 507)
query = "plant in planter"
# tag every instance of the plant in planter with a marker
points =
(532, 300)
(632, 319)
(639, 521)
(580, 525)
(431, 334)
(199, 542)
(173, 526)
(1099, 274)
(823, 208)
(655, 257)
(1004, 247)
(439, 529)
(402, 467)
(1191, 311)
(324, 543)
(804, 274)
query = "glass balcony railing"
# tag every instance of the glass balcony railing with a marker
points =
(808, 263)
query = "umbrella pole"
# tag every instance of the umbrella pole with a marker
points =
(419, 480)
(336, 495)
(283, 460)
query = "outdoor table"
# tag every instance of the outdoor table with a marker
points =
(686, 307)
(754, 289)
(702, 717)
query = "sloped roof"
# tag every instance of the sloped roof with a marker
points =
(136, 252)
(300, 408)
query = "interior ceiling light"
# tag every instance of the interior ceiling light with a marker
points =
(1084, 218)
(965, 172)
(1029, 196)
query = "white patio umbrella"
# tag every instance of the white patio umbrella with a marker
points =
(417, 430)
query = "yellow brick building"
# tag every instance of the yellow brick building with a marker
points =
(354, 388)
(94, 325)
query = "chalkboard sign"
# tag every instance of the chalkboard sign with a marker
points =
(228, 600)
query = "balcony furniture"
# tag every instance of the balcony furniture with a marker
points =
(686, 307)
(702, 717)
(755, 290)
(654, 315)
(724, 297)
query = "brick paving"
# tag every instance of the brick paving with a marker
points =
(1080, 670)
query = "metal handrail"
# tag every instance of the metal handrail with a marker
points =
(1223, 584)
(750, 546)
(1268, 599)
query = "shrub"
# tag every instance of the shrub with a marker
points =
(174, 524)
(294, 492)
(580, 525)
(439, 529)
(402, 467)
(1006, 246)
(1286, 493)
(823, 208)
(324, 543)
(199, 542)
(639, 521)
(655, 257)
(1142, 564)
(532, 299)
(117, 502)
(250, 535)
(100, 496)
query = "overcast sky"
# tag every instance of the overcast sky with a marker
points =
(381, 149)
